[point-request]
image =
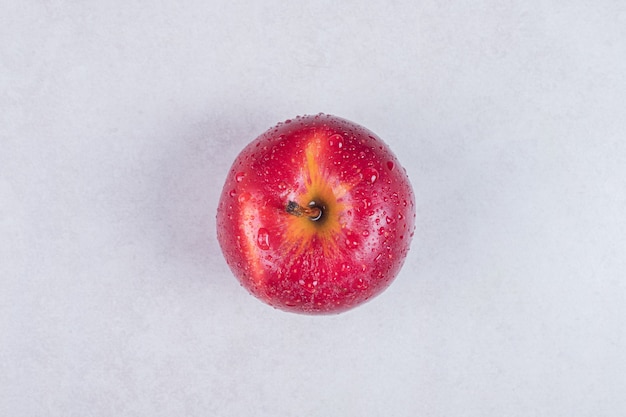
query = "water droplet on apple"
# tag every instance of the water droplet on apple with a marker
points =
(390, 165)
(232, 193)
(365, 233)
(336, 140)
(239, 177)
(389, 220)
(263, 239)
(371, 175)
(244, 197)
(352, 244)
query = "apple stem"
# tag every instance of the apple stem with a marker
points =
(313, 212)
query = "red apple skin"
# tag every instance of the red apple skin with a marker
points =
(353, 252)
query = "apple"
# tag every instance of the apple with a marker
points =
(316, 215)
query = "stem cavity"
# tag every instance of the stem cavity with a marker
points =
(313, 211)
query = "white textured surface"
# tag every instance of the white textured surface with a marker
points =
(119, 120)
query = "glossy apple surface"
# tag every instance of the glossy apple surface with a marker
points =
(316, 215)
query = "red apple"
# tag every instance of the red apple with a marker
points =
(316, 215)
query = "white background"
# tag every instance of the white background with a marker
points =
(119, 121)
